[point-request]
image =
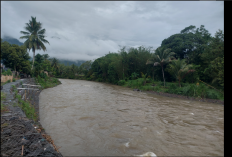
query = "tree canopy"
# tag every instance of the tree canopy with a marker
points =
(35, 36)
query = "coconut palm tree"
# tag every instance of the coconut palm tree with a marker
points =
(179, 69)
(55, 63)
(160, 58)
(34, 36)
(45, 56)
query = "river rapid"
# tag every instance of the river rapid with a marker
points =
(87, 118)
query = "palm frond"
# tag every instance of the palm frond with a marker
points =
(25, 33)
(25, 37)
(44, 40)
(42, 45)
(42, 32)
(28, 28)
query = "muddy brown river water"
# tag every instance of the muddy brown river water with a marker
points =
(89, 119)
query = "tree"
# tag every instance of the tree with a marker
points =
(123, 58)
(189, 43)
(213, 55)
(161, 57)
(54, 64)
(34, 36)
(39, 58)
(45, 56)
(15, 57)
(179, 69)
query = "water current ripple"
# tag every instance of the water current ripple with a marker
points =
(88, 119)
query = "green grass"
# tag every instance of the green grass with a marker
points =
(28, 109)
(186, 89)
(47, 82)
(3, 107)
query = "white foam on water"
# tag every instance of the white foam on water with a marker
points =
(158, 132)
(127, 144)
(218, 132)
(192, 113)
(148, 154)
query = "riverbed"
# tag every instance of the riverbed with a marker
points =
(87, 118)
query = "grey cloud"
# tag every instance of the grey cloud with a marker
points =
(88, 30)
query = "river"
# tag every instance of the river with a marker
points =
(87, 118)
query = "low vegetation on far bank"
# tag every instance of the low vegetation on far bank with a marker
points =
(198, 90)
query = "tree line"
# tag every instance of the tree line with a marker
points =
(190, 56)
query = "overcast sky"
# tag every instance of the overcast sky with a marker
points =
(84, 30)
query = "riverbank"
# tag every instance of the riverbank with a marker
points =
(186, 97)
(20, 133)
(193, 92)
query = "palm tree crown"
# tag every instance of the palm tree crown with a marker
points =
(179, 69)
(34, 36)
(161, 57)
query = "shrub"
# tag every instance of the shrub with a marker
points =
(146, 88)
(160, 83)
(8, 81)
(121, 82)
(157, 88)
(13, 80)
(71, 76)
(202, 90)
(172, 89)
(149, 80)
(212, 94)
(8, 72)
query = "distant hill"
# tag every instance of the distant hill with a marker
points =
(62, 61)
(12, 40)
(68, 62)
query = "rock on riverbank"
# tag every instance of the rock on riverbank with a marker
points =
(19, 134)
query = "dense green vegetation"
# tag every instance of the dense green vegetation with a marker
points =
(189, 63)
(6, 72)
(47, 82)
(15, 57)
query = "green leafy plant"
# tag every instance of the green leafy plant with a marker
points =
(6, 72)
(121, 82)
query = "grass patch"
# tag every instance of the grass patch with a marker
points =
(187, 89)
(3, 107)
(28, 109)
(47, 82)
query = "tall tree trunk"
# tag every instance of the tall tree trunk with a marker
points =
(153, 73)
(163, 74)
(33, 59)
(123, 71)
